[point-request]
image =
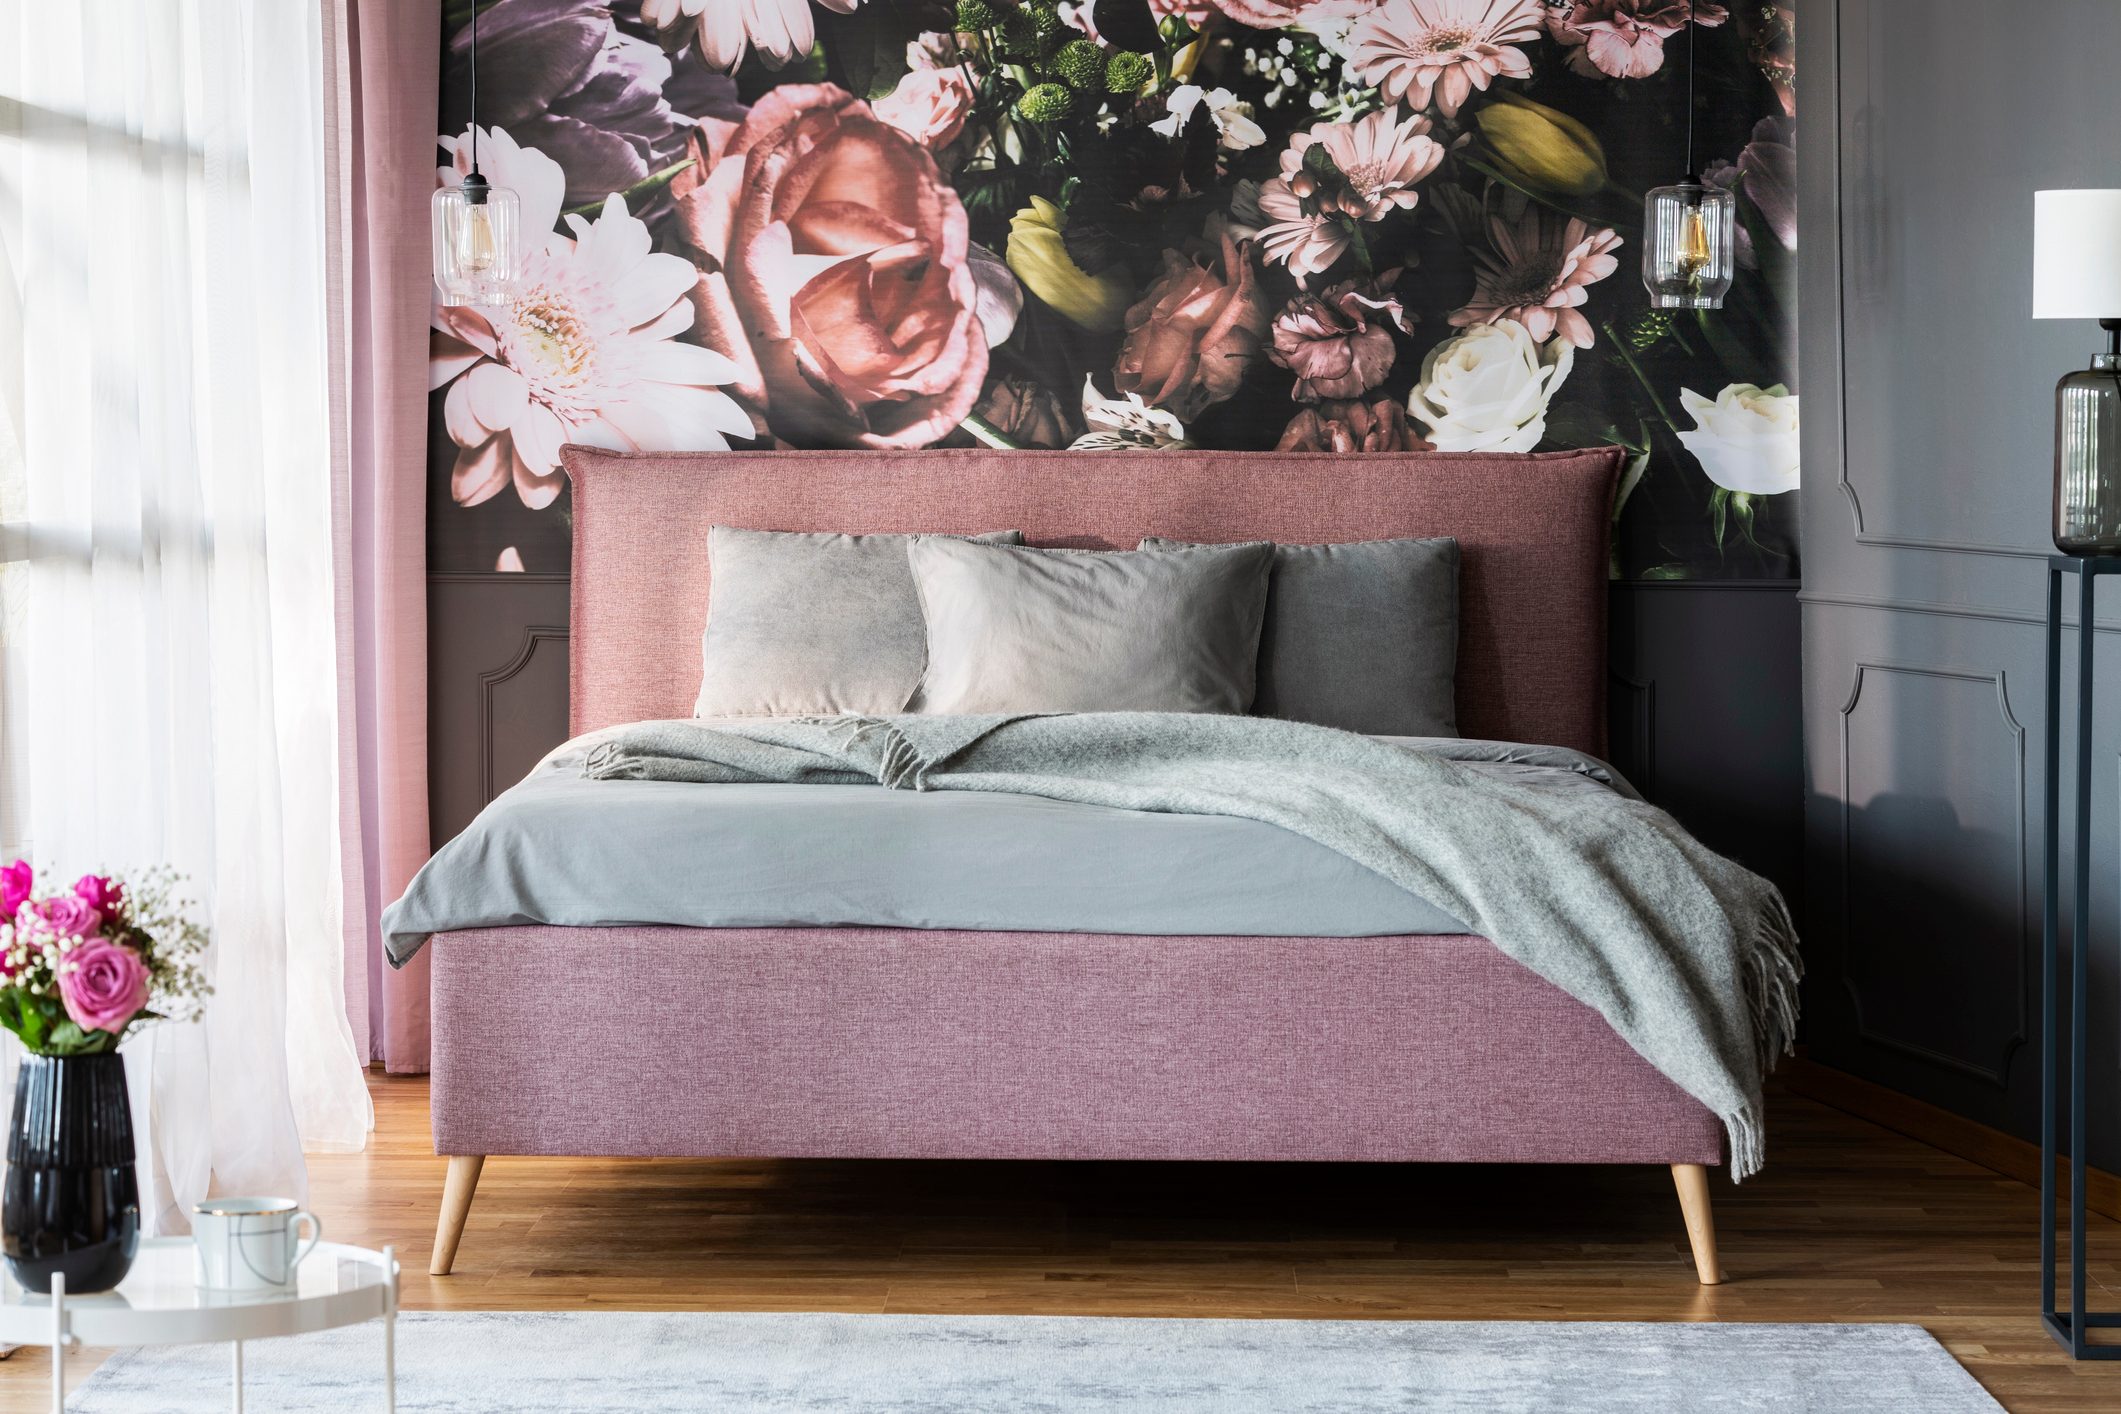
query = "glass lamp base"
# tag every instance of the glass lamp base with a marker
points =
(2088, 459)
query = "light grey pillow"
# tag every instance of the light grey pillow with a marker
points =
(1013, 629)
(1363, 637)
(810, 625)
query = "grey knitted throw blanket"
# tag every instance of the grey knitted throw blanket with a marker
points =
(1691, 958)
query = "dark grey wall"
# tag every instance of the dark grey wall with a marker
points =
(1927, 426)
(1705, 714)
(1704, 694)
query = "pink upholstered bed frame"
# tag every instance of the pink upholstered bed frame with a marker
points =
(875, 1042)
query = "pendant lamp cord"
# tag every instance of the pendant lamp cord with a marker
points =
(1691, 26)
(475, 91)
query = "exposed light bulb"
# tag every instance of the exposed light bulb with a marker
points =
(476, 252)
(1693, 255)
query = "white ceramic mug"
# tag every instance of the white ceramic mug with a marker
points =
(249, 1244)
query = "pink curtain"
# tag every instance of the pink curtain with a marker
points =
(383, 149)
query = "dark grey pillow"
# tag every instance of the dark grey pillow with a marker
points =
(1363, 637)
(1013, 629)
(811, 625)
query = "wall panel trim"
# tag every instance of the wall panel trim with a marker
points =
(535, 636)
(1997, 1074)
(1638, 727)
(1831, 150)
(1950, 611)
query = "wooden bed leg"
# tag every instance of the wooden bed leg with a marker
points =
(457, 1189)
(1692, 1181)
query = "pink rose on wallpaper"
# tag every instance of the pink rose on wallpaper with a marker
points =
(1338, 343)
(1414, 51)
(1539, 273)
(934, 96)
(102, 984)
(1624, 39)
(1379, 426)
(839, 272)
(17, 881)
(587, 353)
(1027, 415)
(930, 105)
(1194, 332)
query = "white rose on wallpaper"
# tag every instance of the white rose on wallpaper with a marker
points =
(1746, 440)
(1487, 390)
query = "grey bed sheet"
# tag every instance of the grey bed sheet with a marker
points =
(556, 848)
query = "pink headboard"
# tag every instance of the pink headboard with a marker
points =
(1533, 528)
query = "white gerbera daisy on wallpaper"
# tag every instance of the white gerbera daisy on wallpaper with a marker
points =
(587, 353)
(723, 30)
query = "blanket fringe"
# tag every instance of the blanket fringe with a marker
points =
(1772, 970)
(607, 761)
(899, 765)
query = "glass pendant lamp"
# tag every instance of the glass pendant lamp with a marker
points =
(1689, 230)
(2077, 275)
(478, 227)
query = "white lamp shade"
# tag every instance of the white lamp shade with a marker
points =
(2077, 254)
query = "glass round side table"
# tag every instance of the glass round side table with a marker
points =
(161, 1303)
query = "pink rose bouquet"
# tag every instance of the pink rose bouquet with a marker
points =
(81, 968)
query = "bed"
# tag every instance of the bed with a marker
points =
(932, 1042)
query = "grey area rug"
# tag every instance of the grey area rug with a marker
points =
(632, 1361)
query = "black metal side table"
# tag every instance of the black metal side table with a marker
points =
(2073, 1327)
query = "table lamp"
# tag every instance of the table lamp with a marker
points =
(2077, 275)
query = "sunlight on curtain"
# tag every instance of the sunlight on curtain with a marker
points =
(162, 207)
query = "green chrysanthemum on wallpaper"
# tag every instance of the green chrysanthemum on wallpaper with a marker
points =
(1234, 224)
(1044, 103)
(1126, 73)
(1080, 64)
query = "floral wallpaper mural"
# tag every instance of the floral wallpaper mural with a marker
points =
(1242, 225)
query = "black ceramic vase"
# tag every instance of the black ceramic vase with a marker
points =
(71, 1204)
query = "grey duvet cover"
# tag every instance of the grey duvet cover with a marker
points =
(557, 848)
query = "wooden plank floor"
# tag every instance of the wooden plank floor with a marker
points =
(1848, 1223)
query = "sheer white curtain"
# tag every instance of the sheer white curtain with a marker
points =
(162, 220)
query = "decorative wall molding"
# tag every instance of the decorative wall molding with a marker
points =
(1830, 15)
(1631, 716)
(1950, 611)
(1998, 1073)
(535, 636)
